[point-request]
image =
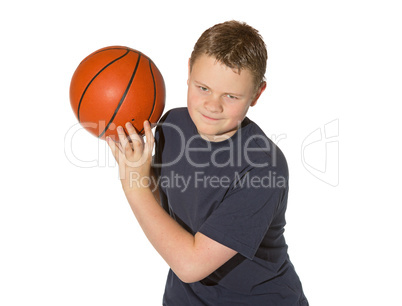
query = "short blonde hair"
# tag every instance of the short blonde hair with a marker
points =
(235, 44)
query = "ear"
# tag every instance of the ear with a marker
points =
(260, 90)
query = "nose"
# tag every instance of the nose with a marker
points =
(213, 105)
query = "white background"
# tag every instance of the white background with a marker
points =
(67, 234)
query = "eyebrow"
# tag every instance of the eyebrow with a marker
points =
(201, 84)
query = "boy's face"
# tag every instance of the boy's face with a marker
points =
(218, 97)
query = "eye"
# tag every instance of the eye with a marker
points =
(231, 97)
(202, 88)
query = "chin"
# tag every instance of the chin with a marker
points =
(207, 131)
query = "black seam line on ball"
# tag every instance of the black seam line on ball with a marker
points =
(90, 82)
(154, 102)
(108, 49)
(123, 97)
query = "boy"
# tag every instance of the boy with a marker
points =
(217, 217)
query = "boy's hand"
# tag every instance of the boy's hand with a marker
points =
(134, 157)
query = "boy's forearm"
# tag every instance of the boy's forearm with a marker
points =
(154, 186)
(192, 258)
(172, 242)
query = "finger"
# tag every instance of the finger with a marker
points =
(137, 141)
(125, 144)
(113, 147)
(118, 155)
(149, 136)
(132, 132)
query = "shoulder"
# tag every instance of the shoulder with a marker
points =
(177, 122)
(260, 150)
(173, 125)
(175, 115)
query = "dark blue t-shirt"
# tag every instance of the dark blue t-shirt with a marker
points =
(235, 192)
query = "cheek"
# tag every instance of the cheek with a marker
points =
(189, 98)
(192, 99)
(237, 113)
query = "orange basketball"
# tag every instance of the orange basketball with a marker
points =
(115, 85)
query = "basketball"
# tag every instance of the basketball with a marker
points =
(115, 85)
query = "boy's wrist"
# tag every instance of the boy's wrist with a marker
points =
(138, 195)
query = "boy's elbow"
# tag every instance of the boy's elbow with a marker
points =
(188, 278)
(190, 274)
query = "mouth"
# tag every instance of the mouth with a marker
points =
(209, 118)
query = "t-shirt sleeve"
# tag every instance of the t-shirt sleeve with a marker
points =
(246, 212)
